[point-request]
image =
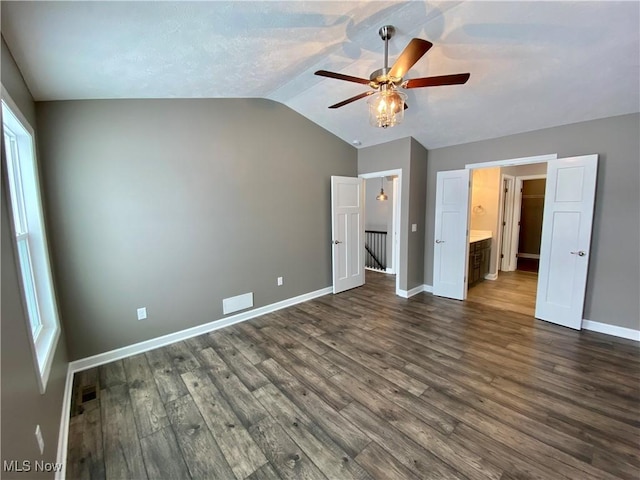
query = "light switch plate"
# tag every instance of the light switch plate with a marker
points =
(414, 227)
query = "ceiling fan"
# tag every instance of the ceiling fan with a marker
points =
(386, 109)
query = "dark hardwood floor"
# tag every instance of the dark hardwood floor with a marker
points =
(366, 385)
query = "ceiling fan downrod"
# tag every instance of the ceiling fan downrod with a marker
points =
(386, 32)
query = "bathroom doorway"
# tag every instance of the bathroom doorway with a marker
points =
(505, 224)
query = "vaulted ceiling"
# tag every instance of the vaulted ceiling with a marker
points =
(533, 64)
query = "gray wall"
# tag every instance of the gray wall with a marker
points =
(409, 156)
(23, 407)
(613, 281)
(174, 205)
(418, 181)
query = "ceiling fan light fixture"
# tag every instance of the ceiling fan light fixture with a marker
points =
(386, 108)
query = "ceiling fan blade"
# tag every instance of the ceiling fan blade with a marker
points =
(352, 99)
(340, 76)
(409, 56)
(457, 79)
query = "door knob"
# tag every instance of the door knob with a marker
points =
(580, 253)
(439, 241)
(336, 242)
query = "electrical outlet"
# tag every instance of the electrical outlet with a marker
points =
(40, 439)
(142, 313)
(280, 281)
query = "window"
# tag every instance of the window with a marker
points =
(31, 244)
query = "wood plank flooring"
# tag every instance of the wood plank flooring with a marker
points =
(367, 385)
(514, 291)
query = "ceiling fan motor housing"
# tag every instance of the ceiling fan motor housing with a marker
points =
(381, 77)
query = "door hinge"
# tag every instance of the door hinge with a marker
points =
(502, 255)
(504, 224)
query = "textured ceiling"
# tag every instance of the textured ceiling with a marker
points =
(533, 64)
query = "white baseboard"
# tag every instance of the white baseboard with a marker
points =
(599, 327)
(614, 330)
(491, 276)
(141, 347)
(410, 293)
(63, 434)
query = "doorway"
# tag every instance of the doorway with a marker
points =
(505, 224)
(454, 227)
(379, 227)
(566, 234)
(382, 221)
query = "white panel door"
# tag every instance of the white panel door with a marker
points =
(450, 256)
(347, 218)
(566, 238)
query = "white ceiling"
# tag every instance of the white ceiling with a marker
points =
(533, 64)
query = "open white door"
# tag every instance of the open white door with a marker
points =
(450, 248)
(347, 219)
(566, 238)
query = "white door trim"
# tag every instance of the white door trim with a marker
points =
(506, 216)
(397, 211)
(512, 162)
(515, 222)
(395, 228)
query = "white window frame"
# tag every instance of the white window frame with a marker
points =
(31, 246)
